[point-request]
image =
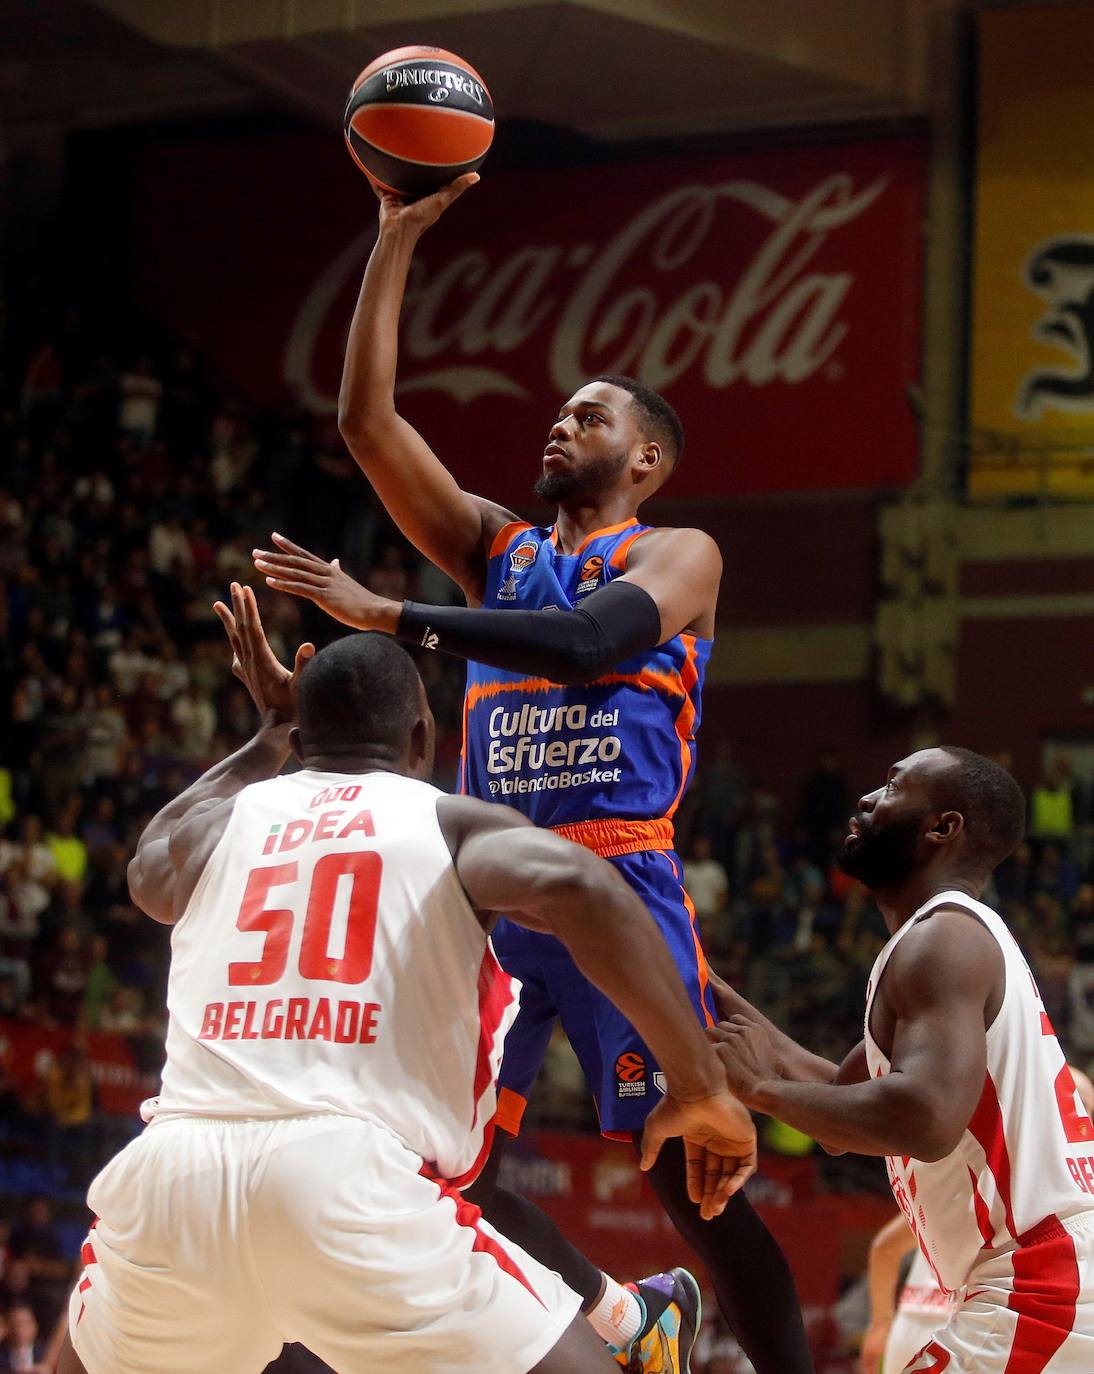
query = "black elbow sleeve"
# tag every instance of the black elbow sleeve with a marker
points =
(570, 647)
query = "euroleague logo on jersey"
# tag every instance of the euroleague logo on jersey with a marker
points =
(590, 574)
(520, 560)
(630, 1073)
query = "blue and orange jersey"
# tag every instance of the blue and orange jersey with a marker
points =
(620, 749)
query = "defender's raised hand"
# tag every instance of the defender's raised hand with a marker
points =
(271, 685)
(294, 570)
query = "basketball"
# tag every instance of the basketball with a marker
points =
(417, 118)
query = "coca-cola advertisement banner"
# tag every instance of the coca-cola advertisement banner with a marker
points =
(773, 295)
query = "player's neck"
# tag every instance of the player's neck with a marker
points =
(900, 904)
(356, 762)
(575, 523)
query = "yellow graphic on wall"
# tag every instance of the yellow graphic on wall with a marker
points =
(1032, 383)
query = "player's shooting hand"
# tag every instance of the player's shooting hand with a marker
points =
(417, 215)
(747, 1054)
(719, 1143)
(271, 685)
(293, 569)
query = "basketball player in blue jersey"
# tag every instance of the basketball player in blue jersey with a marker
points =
(586, 643)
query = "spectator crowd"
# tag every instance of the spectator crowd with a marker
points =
(132, 491)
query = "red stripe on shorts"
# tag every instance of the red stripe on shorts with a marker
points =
(468, 1215)
(1046, 1290)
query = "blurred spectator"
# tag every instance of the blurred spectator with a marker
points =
(68, 850)
(1051, 806)
(69, 1100)
(105, 735)
(169, 547)
(756, 833)
(1014, 877)
(21, 1349)
(723, 789)
(707, 884)
(65, 977)
(22, 902)
(101, 983)
(140, 391)
(194, 718)
(35, 1241)
(122, 1014)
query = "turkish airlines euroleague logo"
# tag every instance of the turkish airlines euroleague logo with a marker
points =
(590, 574)
(630, 1075)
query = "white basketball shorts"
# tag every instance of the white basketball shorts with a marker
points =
(908, 1334)
(217, 1241)
(1029, 1310)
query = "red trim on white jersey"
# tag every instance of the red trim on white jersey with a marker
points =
(495, 996)
(980, 1209)
(986, 1126)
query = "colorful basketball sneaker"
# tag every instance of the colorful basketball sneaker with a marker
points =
(674, 1309)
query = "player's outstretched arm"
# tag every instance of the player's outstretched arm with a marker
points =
(613, 624)
(449, 526)
(791, 1060)
(178, 840)
(937, 986)
(547, 883)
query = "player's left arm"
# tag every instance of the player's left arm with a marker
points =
(178, 840)
(668, 587)
(938, 985)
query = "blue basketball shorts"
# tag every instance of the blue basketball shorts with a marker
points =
(622, 1074)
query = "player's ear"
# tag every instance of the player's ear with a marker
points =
(421, 745)
(295, 744)
(650, 457)
(945, 828)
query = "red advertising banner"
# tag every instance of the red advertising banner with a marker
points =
(27, 1052)
(601, 1200)
(772, 295)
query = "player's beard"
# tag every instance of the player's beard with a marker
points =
(882, 857)
(594, 478)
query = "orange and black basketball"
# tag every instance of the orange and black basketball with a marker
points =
(418, 118)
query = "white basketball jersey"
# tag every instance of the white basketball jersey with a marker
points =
(329, 961)
(922, 1297)
(1027, 1154)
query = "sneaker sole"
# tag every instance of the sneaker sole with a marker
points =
(688, 1281)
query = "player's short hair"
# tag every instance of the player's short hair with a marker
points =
(360, 690)
(990, 800)
(660, 422)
